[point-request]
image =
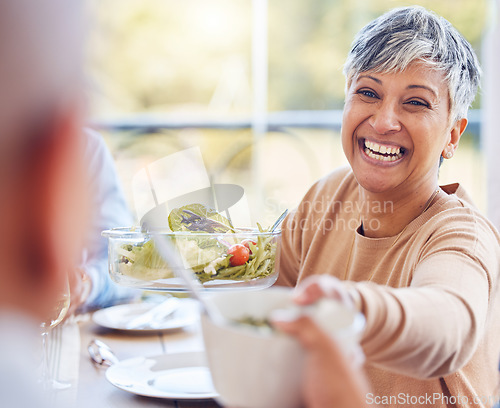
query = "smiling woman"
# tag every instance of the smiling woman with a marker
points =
(431, 255)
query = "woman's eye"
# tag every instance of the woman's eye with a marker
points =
(367, 93)
(418, 102)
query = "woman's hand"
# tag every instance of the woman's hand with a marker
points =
(330, 379)
(316, 287)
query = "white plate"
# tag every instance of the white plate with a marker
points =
(117, 317)
(173, 376)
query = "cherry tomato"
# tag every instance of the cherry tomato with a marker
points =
(247, 243)
(240, 254)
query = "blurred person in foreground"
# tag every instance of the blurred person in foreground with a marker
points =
(43, 207)
(417, 259)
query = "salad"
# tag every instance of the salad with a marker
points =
(208, 244)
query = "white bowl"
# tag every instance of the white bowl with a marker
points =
(255, 368)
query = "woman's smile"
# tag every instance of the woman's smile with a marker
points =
(381, 154)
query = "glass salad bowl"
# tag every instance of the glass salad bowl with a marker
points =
(238, 258)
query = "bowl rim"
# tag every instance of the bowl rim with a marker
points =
(136, 232)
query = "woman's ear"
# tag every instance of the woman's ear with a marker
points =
(455, 133)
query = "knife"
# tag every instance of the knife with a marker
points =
(155, 314)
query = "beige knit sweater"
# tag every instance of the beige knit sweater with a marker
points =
(430, 298)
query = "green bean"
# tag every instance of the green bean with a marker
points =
(260, 250)
(204, 277)
(200, 267)
(262, 268)
(230, 271)
(250, 269)
(240, 275)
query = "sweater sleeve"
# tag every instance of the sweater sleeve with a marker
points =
(433, 327)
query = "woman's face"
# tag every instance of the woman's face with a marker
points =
(395, 126)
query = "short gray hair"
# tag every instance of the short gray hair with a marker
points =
(403, 35)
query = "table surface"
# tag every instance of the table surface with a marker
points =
(92, 390)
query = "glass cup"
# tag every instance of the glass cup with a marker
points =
(59, 311)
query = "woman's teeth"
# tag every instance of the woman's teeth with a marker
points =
(381, 152)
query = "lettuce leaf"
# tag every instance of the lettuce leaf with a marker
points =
(198, 218)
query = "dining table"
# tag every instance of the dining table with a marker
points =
(88, 387)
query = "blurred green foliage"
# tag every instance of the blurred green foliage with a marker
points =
(195, 55)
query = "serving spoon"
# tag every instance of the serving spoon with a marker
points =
(278, 222)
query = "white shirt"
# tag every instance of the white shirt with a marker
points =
(109, 210)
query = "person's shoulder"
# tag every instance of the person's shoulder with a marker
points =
(336, 187)
(458, 202)
(457, 216)
(93, 139)
(457, 192)
(458, 227)
(341, 178)
(97, 153)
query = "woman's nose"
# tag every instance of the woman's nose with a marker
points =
(385, 119)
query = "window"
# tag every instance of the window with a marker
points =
(257, 85)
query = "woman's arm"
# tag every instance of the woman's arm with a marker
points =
(432, 327)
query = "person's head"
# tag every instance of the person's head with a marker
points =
(41, 111)
(394, 40)
(410, 80)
